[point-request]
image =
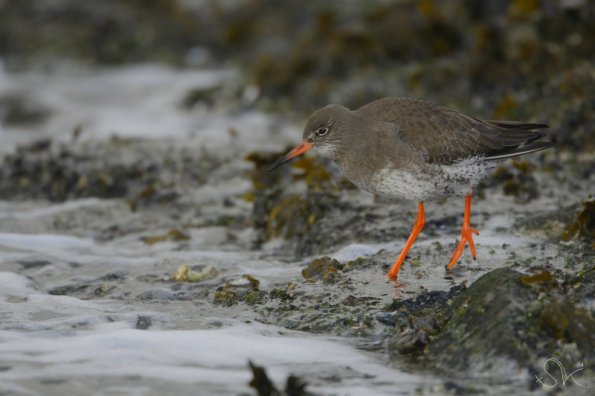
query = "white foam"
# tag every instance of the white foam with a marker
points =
(217, 357)
(44, 242)
(356, 250)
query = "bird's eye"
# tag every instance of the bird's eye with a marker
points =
(322, 131)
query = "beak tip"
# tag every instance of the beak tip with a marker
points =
(292, 154)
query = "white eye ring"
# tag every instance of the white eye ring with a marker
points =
(322, 131)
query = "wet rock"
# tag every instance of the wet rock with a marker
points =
(325, 269)
(549, 224)
(325, 312)
(197, 96)
(516, 180)
(103, 290)
(283, 294)
(174, 234)
(502, 314)
(566, 322)
(88, 288)
(428, 300)
(68, 290)
(29, 264)
(113, 169)
(491, 319)
(386, 318)
(584, 225)
(261, 382)
(414, 337)
(185, 274)
(543, 277)
(158, 295)
(118, 275)
(245, 289)
(16, 109)
(263, 386)
(143, 322)
(417, 320)
(295, 386)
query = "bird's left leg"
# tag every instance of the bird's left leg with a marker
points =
(466, 235)
(420, 221)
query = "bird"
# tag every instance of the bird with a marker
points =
(416, 150)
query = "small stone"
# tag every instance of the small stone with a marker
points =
(143, 322)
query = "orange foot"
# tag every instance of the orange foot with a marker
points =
(466, 235)
(417, 227)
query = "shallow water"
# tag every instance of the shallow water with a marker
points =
(148, 337)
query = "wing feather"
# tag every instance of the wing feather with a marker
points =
(447, 136)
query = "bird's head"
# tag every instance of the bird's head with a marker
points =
(323, 133)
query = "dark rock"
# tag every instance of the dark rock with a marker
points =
(431, 299)
(66, 290)
(324, 268)
(295, 386)
(486, 319)
(201, 95)
(28, 264)
(245, 289)
(114, 276)
(503, 314)
(584, 225)
(16, 109)
(415, 336)
(385, 318)
(143, 322)
(261, 382)
(158, 295)
(113, 169)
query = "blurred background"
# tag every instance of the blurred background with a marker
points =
(516, 59)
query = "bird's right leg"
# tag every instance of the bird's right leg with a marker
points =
(417, 227)
(466, 235)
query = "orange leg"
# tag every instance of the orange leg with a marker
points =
(466, 235)
(417, 227)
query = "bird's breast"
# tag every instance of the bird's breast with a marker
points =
(419, 182)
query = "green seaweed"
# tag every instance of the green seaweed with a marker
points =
(325, 269)
(584, 225)
(246, 289)
(174, 234)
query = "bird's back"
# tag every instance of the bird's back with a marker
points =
(445, 135)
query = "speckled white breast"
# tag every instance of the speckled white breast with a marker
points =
(429, 181)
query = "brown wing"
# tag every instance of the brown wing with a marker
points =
(447, 136)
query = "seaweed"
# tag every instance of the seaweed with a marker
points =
(584, 225)
(295, 386)
(185, 274)
(325, 269)
(174, 234)
(518, 181)
(245, 289)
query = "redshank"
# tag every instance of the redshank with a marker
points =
(415, 150)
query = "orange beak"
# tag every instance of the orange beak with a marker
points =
(299, 150)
